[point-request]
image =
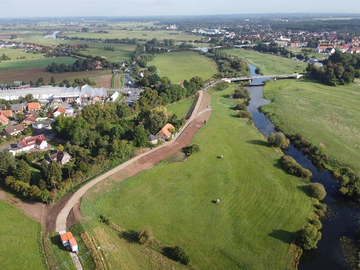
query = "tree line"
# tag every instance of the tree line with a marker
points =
(339, 68)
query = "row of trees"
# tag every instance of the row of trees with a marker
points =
(78, 65)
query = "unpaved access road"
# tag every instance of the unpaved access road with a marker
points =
(144, 161)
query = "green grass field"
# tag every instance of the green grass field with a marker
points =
(325, 115)
(20, 240)
(122, 52)
(15, 54)
(180, 66)
(269, 64)
(261, 206)
(139, 34)
(34, 63)
(180, 108)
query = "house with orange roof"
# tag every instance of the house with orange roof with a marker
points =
(4, 120)
(7, 113)
(166, 132)
(33, 106)
(59, 111)
(68, 240)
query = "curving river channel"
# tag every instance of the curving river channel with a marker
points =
(341, 220)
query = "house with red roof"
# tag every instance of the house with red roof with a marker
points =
(33, 106)
(7, 113)
(29, 119)
(4, 120)
(68, 240)
(166, 132)
(27, 144)
(59, 111)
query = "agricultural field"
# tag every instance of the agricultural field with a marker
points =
(327, 116)
(180, 108)
(139, 34)
(34, 63)
(253, 226)
(122, 52)
(16, 54)
(180, 66)
(20, 246)
(32, 74)
(269, 64)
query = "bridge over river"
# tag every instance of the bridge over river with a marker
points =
(250, 78)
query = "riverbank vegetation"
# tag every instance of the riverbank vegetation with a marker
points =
(269, 64)
(261, 206)
(324, 121)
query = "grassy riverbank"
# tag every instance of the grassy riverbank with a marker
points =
(327, 116)
(269, 64)
(253, 226)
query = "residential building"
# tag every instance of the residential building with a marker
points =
(42, 124)
(29, 119)
(33, 106)
(58, 111)
(27, 144)
(4, 120)
(165, 132)
(14, 130)
(3, 107)
(152, 139)
(59, 157)
(7, 113)
(16, 108)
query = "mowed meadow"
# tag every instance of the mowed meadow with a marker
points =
(327, 116)
(20, 240)
(261, 207)
(180, 66)
(269, 64)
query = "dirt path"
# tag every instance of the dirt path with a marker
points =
(65, 213)
(143, 161)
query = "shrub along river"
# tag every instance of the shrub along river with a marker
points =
(336, 247)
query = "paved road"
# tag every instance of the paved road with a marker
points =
(63, 214)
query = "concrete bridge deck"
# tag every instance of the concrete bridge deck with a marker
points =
(250, 78)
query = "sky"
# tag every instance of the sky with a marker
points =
(85, 8)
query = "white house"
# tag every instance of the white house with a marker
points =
(27, 144)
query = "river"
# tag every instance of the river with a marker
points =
(53, 35)
(341, 219)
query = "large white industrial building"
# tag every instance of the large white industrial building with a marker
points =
(50, 93)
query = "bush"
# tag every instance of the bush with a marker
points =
(317, 191)
(245, 114)
(278, 140)
(221, 86)
(104, 219)
(145, 235)
(291, 166)
(308, 237)
(178, 254)
(242, 92)
(191, 149)
(241, 107)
